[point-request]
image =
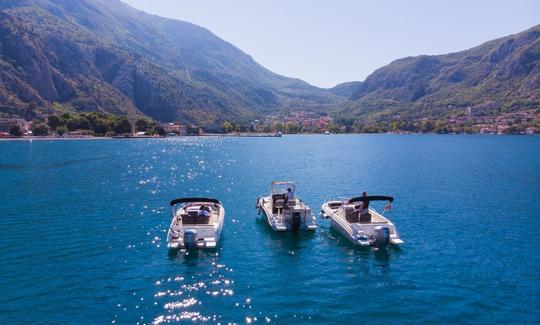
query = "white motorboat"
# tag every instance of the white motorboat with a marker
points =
(283, 213)
(196, 223)
(361, 224)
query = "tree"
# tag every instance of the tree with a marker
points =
(62, 129)
(227, 127)
(84, 124)
(73, 123)
(427, 126)
(292, 128)
(278, 127)
(333, 128)
(122, 126)
(40, 129)
(101, 126)
(441, 127)
(54, 122)
(160, 130)
(142, 125)
(15, 130)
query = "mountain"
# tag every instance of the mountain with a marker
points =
(346, 89)
(499, 76)
(102, 55)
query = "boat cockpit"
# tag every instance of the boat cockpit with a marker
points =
(279, 198)
(356, 210)
(189, 213)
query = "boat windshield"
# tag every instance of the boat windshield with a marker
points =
(281, 187)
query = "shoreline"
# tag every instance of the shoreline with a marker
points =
(52, 138)
(254, 135)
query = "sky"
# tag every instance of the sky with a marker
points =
(329, 42)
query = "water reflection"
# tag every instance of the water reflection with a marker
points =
(287, 239)
(198, 286)
(381, 256)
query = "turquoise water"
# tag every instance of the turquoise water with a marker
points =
(83, 225)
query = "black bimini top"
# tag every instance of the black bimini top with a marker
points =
(194, 199)
(371, 198)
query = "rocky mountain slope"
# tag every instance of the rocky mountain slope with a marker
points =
(102, 55)
(499, 76)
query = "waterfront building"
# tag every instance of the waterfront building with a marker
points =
(7, 123)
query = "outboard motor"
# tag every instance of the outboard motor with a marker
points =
(381, 236)
(296, 221)
(190, 238)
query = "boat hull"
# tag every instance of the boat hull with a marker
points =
(208, 235)
(283, 222)
(351, 230)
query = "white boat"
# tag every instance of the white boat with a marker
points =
(364, 227)
(283, 214)
(191, 228)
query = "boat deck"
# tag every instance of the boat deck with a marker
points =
(375, 216)
(190, 217)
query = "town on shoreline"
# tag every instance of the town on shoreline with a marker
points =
(104, 125)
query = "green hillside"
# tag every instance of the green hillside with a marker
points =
(102, 55)
(498, 77)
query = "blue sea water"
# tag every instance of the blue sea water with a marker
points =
(83, 229)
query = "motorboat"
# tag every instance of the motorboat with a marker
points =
(284, 211)
(361, 224)
(196, 223)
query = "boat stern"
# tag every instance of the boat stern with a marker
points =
(175, 245)
(396, 241)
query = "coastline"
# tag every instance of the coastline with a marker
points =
(247, 135)
(52, 138)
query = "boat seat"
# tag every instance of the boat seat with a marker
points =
(351, 214)
(194, 219)
(187, 219)
(365, 218)
(279, 204)
(353, 217)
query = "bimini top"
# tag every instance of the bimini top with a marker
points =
(194, 199)
(282, 183)
(371, 198)
(278, 187)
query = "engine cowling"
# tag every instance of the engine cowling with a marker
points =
(381, 236)
(190, 238)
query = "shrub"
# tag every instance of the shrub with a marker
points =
(15, 130)
(54, 122)
(142, 125)
(158, 129)
(122, 126)
(40, 129)
(62, 129)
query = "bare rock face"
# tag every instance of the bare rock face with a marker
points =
(104, 55)
(505, 70)
(23, 53)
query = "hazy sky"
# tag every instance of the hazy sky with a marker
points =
(333, 41)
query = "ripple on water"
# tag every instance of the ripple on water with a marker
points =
(83, 235)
